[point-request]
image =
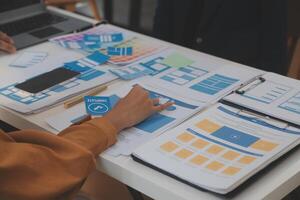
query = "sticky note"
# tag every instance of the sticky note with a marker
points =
(169, 146)
(176, 60)
(231, 155)
(231, 170)
(200, 144)
(116, 37)
(98, 58)
(208, 126)
(97, 106)
(28, 59)
(76, 66)
(247, 159)
(264, 145)
(185, 137)
(131, 72)
(91, 38)
(215, 149)
(123, 51)
(214, 165)
(92, 45)
(184, 153)
(199, 160)
(92, 41)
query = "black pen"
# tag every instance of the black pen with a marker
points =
(91, 26)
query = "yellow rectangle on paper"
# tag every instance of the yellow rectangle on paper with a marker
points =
(215, 149)
(230, 155)
(247, 160)
(184, 153)
(264, 145)
(231, 170)
(185, 137)
(199, 160)
(200, 144)
(214, 166)
(169, 146)
(208, 126)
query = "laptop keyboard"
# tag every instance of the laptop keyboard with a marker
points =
(30, 23)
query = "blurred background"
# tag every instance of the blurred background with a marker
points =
(137, 15)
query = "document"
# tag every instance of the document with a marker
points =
(93, 39)
(219, 148)
(195, 77)
(274, 95)
(124, 47)
(91, 75)
(29, 59)
(131, 138)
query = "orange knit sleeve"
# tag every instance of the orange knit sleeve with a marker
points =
(36, 165)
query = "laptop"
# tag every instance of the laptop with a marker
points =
(28, 22)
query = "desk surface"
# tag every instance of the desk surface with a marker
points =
(274, 182)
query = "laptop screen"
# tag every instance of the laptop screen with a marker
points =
(7, 5)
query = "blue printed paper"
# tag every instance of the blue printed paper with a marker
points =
(107, 38)
(92, 46)
(117, 37)
(73, 44)
(92, 41)
(98, 58)
(131, 72)
(91, 38)
(124, 51)
(76, 66)
(97, 106)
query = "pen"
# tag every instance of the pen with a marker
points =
(76, 100)
(91, 26)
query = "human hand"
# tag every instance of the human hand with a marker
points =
(6, 43)
(134, 108)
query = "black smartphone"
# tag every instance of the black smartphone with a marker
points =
(46, 80)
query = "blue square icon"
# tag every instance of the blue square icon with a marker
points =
(97, 106)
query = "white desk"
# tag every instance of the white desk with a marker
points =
(274, 183)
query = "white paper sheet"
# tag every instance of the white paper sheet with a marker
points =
(131, 138)
(29, 59)
(278, 96)
(57, 56)
(203, 80)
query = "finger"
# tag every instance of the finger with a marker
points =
(155, 101)
(4, 46)
(163, 106)
(6, 38)
(137, 87)
(138, 92)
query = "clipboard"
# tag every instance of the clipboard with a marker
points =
(258, 114)
(250, 86)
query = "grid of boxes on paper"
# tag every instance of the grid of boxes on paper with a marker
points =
(213, 156)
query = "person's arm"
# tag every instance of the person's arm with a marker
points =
(39, 165)
(6, 43)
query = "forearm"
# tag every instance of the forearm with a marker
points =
(39, 165)
(95, 135)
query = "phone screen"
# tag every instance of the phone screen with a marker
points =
(47, 80)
